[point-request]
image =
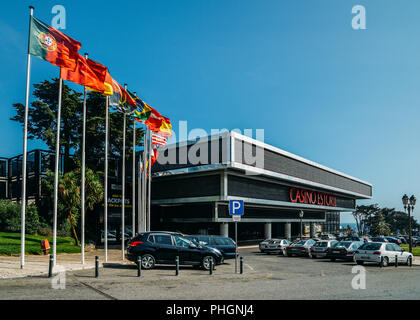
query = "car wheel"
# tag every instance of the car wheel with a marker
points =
(385, 262)
(359, 262)
(314, 256)
(206, 262)
(409, 261)
(148, 261)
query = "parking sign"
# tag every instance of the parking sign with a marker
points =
(236, 207)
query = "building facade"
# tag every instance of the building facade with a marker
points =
(193, 182)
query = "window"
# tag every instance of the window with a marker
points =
(389, 247)
(204, 240)
(163, 239)
(151, 239)
(182, 242)
(371, 246)
(396, 247)
(223, 241)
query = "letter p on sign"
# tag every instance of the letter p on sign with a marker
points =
(236, 207)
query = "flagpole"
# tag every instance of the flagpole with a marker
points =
(83, 173)
(25, 144)
(106, 179)
(123, 187)
(144, 179)
(57, 161)
(150, 179)
(139, 198)
(133, 179)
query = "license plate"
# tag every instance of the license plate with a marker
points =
(364, 257)
(336, 251)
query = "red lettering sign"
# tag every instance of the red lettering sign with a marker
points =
(312, 197)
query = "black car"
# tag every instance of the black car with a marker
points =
(344, 250)
(161, 247)
(224, 244)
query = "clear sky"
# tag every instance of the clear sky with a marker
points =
(348, 99)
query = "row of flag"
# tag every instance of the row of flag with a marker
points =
(62, 51)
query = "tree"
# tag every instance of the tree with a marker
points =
(42, 124)
(69, 189)
(362, 215)
(381, 227)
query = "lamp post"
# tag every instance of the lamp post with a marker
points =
(409, 206)
(301, 216)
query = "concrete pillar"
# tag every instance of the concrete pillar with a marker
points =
(288, 230)
(224, 229)
(267, 230)
(312, 229)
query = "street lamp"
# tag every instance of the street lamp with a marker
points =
(409, 206)
(301, 216)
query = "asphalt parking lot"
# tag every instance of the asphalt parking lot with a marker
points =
(265, 277)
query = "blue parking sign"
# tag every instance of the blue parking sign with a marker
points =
(236, 207)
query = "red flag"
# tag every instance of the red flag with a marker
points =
(88, 73)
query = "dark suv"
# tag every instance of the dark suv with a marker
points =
(224, 244)
(161, 247)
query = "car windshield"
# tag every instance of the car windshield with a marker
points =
(371, 246)
(344, 244)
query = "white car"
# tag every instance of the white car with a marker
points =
(320, 248)
(382, 251)
(277, 245)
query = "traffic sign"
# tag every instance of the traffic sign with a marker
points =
(236, 207)
(236, 218)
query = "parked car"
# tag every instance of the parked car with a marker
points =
(344, 250)
(263, 245)
(161, 247)
(328, 237)
(393, 240)
(277, 246)
(300, 248)
(320, 248)
(225, 245)
(379, 239)
(375, 251)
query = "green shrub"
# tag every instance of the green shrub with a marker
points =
(10, 217)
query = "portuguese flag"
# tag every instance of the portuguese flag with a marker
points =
(52, 45)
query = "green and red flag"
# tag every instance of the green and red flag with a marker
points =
(52, 45)
(154, 120)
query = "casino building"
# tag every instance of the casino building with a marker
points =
(193, 182)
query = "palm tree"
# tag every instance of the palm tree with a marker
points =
(70, 195)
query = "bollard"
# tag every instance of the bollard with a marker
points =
(381, 264)
(138, 267)
(96, 266)
(396, 261)
(50, 269)
(241, 265)
(410, 261)
(211, 266)
(177, 265)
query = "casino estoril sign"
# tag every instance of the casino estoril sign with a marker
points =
(312, 197)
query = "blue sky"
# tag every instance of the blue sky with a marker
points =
(344, 98)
